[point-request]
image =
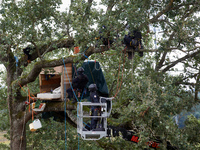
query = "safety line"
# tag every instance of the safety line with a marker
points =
(65, 70)
(73, 93)
(88, 65)
(78, 142)
(118, 89)
(85, 50)
(65, 99)
(69, 80)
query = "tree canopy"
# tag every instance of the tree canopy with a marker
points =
(150, 90)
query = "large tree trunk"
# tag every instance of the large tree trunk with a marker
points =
(16, 113)
(18, 135)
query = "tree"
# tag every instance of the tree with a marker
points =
(144, 88)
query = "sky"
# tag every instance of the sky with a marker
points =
(66, 4)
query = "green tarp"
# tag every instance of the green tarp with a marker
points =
(95, 75)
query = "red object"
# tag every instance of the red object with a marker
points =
(27, 103)
(76, 50)
(40, 105)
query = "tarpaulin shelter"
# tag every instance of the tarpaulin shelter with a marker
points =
(95, 75)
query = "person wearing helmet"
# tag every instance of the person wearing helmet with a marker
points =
(78, 84)
(94, 97)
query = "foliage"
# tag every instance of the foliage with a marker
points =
(52, 136)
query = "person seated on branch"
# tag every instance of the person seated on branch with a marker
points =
(27, 52)
(78, 84)
(133, 41)
(94, 97)
(104, 36)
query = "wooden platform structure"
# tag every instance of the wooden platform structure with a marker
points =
(52, 78)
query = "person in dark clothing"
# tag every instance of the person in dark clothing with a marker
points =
(133, 41)
(94, 97)
(78, 84)
(27, 53)
(104, 36)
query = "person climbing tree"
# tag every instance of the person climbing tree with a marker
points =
(94, 97)
(133, 41)
(78, 84)
(27, 53)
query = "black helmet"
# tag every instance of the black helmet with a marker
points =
(80, 70)
(92, 87)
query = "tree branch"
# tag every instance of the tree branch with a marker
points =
(87, 10)
(159, 65)
(64, 43)
(53, 63)
(155, 18)
(181, 59)
(111, 4)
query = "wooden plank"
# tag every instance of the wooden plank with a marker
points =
(48, 88)
(51, 81)
(57, 70)
(65, 79)
(43, 77)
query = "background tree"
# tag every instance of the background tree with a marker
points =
(148, 96)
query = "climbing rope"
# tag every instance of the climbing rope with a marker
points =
(29, 98)
(118, 89)
(69, 79)
(132, 69)
(65, 99)
(88, 64)
(65, 70)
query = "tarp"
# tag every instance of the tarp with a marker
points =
(95, 75)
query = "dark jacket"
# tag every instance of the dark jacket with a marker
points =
(94, 97)
(80, 82)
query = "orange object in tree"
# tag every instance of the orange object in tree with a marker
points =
(76, 50)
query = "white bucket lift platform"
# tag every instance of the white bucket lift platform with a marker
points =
(83, 117)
